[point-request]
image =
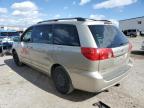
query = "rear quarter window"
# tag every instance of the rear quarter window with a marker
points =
(65, 34)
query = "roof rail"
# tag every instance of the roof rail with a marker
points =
(77, 18)
(100, 20)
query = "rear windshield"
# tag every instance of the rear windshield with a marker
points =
(9, 34)
(107, 36)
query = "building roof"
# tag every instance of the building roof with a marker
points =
(7, 31)
(132, 18)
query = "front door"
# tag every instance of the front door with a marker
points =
(25, 46)
(42, 48)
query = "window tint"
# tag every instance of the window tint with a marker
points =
(65, 34)
(27, 35)
(107, 36)
(42, 34)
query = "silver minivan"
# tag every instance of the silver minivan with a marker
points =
(85, 54)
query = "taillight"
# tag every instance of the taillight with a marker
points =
(130, 47)
(105, 53)
(90, 53)
(97, 53)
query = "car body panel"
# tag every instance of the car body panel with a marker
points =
(24, 52)
(41, 55)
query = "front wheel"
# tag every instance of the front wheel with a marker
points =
(16, 59)
(62, 80)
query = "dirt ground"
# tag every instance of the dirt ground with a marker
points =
(24, 87)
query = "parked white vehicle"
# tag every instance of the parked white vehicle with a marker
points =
(7, 43)
(80, 53)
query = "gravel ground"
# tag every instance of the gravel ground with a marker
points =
(24, 87)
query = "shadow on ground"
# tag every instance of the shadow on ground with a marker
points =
(137, 52)
(45, 83)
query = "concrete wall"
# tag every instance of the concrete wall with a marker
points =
(132, 24)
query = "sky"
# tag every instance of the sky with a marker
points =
(28, 12)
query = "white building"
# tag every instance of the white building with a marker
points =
(132, 23)
(17, 28)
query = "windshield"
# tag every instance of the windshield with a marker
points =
(107, 36)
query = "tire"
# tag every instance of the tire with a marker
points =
(16, 59)
(62, 80)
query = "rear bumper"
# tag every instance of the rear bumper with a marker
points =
(95, 82)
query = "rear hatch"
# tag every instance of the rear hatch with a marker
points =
(115, 47)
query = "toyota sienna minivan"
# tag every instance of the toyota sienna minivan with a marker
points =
(77, 53)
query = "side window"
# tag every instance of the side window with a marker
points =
(64, 34)
(27, 35)
(42, 34)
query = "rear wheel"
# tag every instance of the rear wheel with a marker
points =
(62, 80)
(16, 59)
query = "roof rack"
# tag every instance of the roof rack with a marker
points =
(100, 20)
(76, 18)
